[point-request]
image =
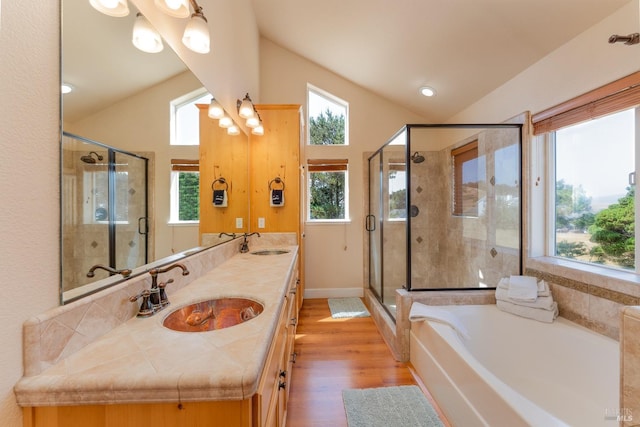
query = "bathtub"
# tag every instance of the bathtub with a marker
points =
(517, 372)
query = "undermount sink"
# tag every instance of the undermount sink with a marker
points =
(213, 314)
(270, 252)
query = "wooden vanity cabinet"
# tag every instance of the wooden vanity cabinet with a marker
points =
(270, 403)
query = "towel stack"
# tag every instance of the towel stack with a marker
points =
(526, 297)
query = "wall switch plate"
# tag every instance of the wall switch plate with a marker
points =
(260, 222)
(238, 222)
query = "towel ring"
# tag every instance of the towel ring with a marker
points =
(220, 180)
(277, 180)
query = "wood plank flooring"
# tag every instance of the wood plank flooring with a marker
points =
(334, 354)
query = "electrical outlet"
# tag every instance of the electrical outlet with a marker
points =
(260, 222)
(238, 222)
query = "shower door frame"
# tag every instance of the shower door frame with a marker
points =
(379, 226)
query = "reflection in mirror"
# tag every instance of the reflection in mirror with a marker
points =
(121, 98)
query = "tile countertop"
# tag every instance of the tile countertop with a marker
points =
(141, 361)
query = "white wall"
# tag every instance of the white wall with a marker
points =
(29, 164)
(334, 252)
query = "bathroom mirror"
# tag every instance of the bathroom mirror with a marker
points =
(120, 98)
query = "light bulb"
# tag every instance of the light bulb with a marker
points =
(233, 130)
(175, 8)
(252, 122)
(258, 130)
(215, 109)
(246, 108)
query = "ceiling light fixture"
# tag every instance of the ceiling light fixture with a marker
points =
(427, 91)
(145, 37)
(117, 8)
(66, 88)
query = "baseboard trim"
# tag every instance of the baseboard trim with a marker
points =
(333, 293)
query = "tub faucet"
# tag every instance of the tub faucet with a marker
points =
(125, 271)
(244, 246)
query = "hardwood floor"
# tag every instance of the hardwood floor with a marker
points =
(334, 354)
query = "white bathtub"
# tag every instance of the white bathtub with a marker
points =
(517, 372)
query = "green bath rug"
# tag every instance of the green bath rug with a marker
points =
(342, 308)
(402, 406)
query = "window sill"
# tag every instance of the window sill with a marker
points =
(603, 277)
(327, 222)
(183, 224)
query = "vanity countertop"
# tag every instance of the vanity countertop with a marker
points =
(143, 361)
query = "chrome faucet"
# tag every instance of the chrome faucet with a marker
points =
(244, 246)
(125, 271)
(155, 299)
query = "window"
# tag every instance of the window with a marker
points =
(328, 183)
(185, 191)
(468, 173)
(397, 191)
(185, 120)
(592, 155)
(328, 118)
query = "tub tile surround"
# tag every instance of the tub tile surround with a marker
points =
(95, 345)
(630, 366)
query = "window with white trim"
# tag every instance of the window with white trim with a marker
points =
(185, 191)
(328, 195)
(328, 118)
(185, 117)
(592, 161)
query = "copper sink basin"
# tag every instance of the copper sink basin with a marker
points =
(213, 314)
(270, 252)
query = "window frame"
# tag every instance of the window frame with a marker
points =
(459, 156)
(174, 106)
(617, 96)
(334, 100)
(328, 165)
(179, 166)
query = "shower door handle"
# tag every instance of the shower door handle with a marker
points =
(370, 223)
(143, 225)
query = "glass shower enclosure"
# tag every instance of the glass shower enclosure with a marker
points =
(444, 209)
(104, 211)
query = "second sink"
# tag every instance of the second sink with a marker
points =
(213, 314)
(270, 252)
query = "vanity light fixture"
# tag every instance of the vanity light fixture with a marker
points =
(145, 37)
(215, 109)
(258, 130)
(233, 130)
(196, 34)
(427, 91)
(253, 121)
(175, 8)
(117, 8)
(225, 122)
(245, 108)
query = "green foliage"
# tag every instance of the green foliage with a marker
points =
(572, 204)
(189, 191)
(614, 230)
(398, 204)
(327, 129)
(327, 195)
(570, 249)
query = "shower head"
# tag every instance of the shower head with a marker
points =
(89, 158)
(417, 157)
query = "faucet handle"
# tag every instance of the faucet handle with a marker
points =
(146, 307)
(164, 300)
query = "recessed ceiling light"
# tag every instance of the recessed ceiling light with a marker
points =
(66, 88)
(427, 91)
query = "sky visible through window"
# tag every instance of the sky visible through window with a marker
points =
(599, 155)
(319, 104)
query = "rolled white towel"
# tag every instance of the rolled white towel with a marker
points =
(421, 312)
(543, 287)
(523, 288)
(543, 303)
(547, 316)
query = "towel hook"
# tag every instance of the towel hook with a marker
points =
(220, 180)
(277, 180)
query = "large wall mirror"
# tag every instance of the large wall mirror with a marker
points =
(115, 147)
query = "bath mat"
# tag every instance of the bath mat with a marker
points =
(402, 406)
(347, 307)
